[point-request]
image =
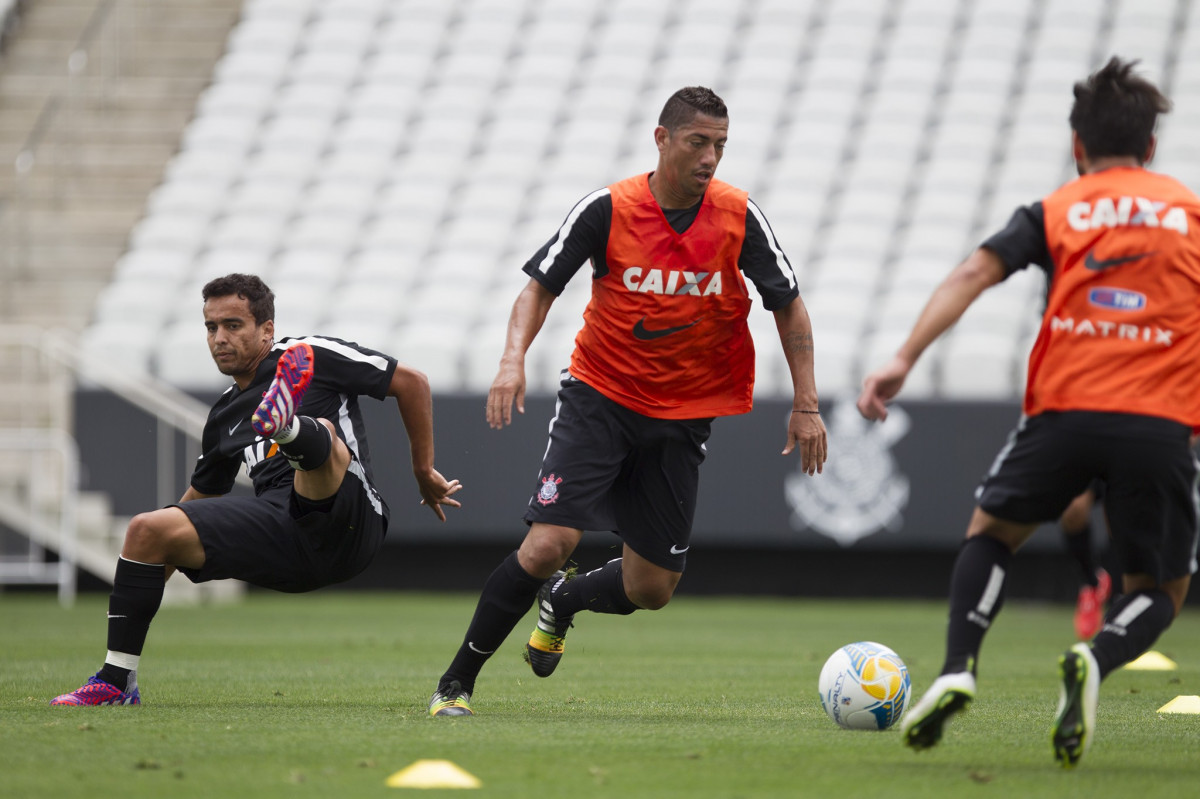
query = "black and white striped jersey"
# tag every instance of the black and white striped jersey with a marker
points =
(342, 372)
(584, 235)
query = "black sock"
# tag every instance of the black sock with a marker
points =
(309, 445)
(1131, 626)
(1079, 547)
(137, 593)
(976, 596)
(507, 596)
(600, 591)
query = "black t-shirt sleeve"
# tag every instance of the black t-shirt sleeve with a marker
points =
(214, 473)
(583, 235)
(1023, 240)
(763, 262)
(350, 368)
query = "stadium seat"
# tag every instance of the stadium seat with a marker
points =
(214, 261)
(181, 231)
(261, 230)
(980, 366)
(180, 356)
(482, 360)
(921, 383)
(436, 350)
(120, 344)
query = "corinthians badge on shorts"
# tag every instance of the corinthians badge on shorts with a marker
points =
(548, 493)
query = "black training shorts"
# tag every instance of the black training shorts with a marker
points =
(270, 541)
(1149, 473)
(609, 468)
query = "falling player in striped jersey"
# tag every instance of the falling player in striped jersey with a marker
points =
(292, 418)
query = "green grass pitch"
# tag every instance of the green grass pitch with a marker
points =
(323, 695)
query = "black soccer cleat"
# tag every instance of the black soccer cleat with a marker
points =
(546, 643)
(451, 700)
(948, 696)
(1078, 695)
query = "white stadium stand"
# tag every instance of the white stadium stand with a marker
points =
(389, 165)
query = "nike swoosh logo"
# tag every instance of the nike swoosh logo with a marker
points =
(677, 551)
(477, 650)
(640, 331)
(111, 616)
(236, 426)
(1092, 263)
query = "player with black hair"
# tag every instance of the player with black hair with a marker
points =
(292, 418)
(1112, 393)
(664, 348)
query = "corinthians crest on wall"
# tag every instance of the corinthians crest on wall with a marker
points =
(861, 490)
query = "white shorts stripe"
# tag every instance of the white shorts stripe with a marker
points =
(356, 469)
(1003, 454)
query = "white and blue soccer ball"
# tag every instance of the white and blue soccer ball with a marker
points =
(864, 686)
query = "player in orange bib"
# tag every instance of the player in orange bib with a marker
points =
(1112, 393)
(664, 348)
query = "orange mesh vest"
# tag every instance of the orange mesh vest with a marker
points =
(665, 331)
(1121, 330)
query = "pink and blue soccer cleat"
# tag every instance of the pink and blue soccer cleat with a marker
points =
(293, 374)
(99, 692)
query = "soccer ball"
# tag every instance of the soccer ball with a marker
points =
(864, 686)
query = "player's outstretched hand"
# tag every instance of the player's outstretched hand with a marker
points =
(806, 431)
(880, 387)
(436, 492)
(507, 388)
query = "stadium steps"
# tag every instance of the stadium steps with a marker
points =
(105, 141)
(32, 491)
(103, 144)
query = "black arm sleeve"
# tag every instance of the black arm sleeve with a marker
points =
(1023, 240)
(214, 474)
(582, 236)
(347, 367)
(762, 260)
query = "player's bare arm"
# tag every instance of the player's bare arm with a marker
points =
(805, 430)
(980, 271)
(528, 314)
(411, 390)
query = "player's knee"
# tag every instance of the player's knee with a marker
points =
(1076, 517)
(650, 597)
(145, 539)
(543, 557)
(546, 549)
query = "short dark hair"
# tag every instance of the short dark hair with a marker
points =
(248, 287)
(1115, 111)
(684, 104)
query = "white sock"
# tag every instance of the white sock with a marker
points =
(293, 430)
(122, 660)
